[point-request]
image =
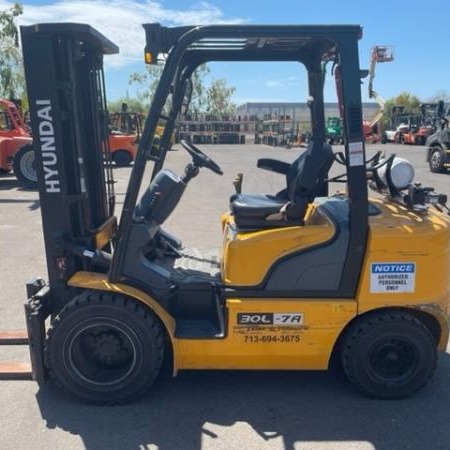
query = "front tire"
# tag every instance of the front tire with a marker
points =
(419, 140)
(24, 167)
(437, 159)
(389, 354)
(104, 348)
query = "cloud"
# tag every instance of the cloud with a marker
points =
(243, 100)
(283, 82)
(121, 20)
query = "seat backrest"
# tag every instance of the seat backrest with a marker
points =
(308, 172)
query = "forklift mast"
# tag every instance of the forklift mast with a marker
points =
(64, 74)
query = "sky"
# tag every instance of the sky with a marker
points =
(417, 30)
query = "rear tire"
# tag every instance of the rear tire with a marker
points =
(122, 158)
(389, 354)
(104, 348)
(24, 166)
(437, 159)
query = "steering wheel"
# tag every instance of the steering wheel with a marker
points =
(200, 159)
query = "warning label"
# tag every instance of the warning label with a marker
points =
(356, 153)
(393, 277)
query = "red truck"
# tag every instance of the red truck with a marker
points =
(16, 150)
(15, 140)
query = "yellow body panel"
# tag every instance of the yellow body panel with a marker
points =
(401, 235)
(105, 233)
(99, 281)
(397, 235)
(307, 345)
(248, 256)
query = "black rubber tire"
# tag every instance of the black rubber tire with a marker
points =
(384, 138)
(389, 354)
(419, 140)
(122, 158)
(437, 159)
(24, 167)
(104, 348)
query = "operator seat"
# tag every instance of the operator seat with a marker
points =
(305, 179)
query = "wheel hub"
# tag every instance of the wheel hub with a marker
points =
(28, 166)
(106, 348)
(102, 354)
(435, 159)
(393, 360)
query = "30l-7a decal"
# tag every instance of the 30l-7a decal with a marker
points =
(267, 319)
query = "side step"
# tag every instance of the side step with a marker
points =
(15, 370)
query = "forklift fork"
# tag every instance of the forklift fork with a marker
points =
(34, 336)
(14, 370)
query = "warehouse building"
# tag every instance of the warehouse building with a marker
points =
(253, 120)
(298, 112)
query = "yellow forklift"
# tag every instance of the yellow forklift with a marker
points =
(303, 278)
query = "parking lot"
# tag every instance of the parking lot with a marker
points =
(206, 410)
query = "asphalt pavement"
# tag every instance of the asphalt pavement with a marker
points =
(211, 409)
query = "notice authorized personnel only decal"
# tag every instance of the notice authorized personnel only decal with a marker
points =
(393, 277)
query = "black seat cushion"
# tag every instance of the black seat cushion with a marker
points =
(257, 211)
(304, 180)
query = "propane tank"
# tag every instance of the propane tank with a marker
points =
(402, 173)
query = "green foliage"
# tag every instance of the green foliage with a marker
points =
(410, 101)
(12, 84)
(440, 95)
(134, 105)
(215, 99)
(198, 102)
(218, 98)
(147, 82)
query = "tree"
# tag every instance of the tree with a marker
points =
(134, 105)
(410, 102)
(440, 95)
(218, 98)
(12, 84)
(215, 99)
(146, 82)
(199, 96)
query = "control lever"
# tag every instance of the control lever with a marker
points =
(237, 182)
